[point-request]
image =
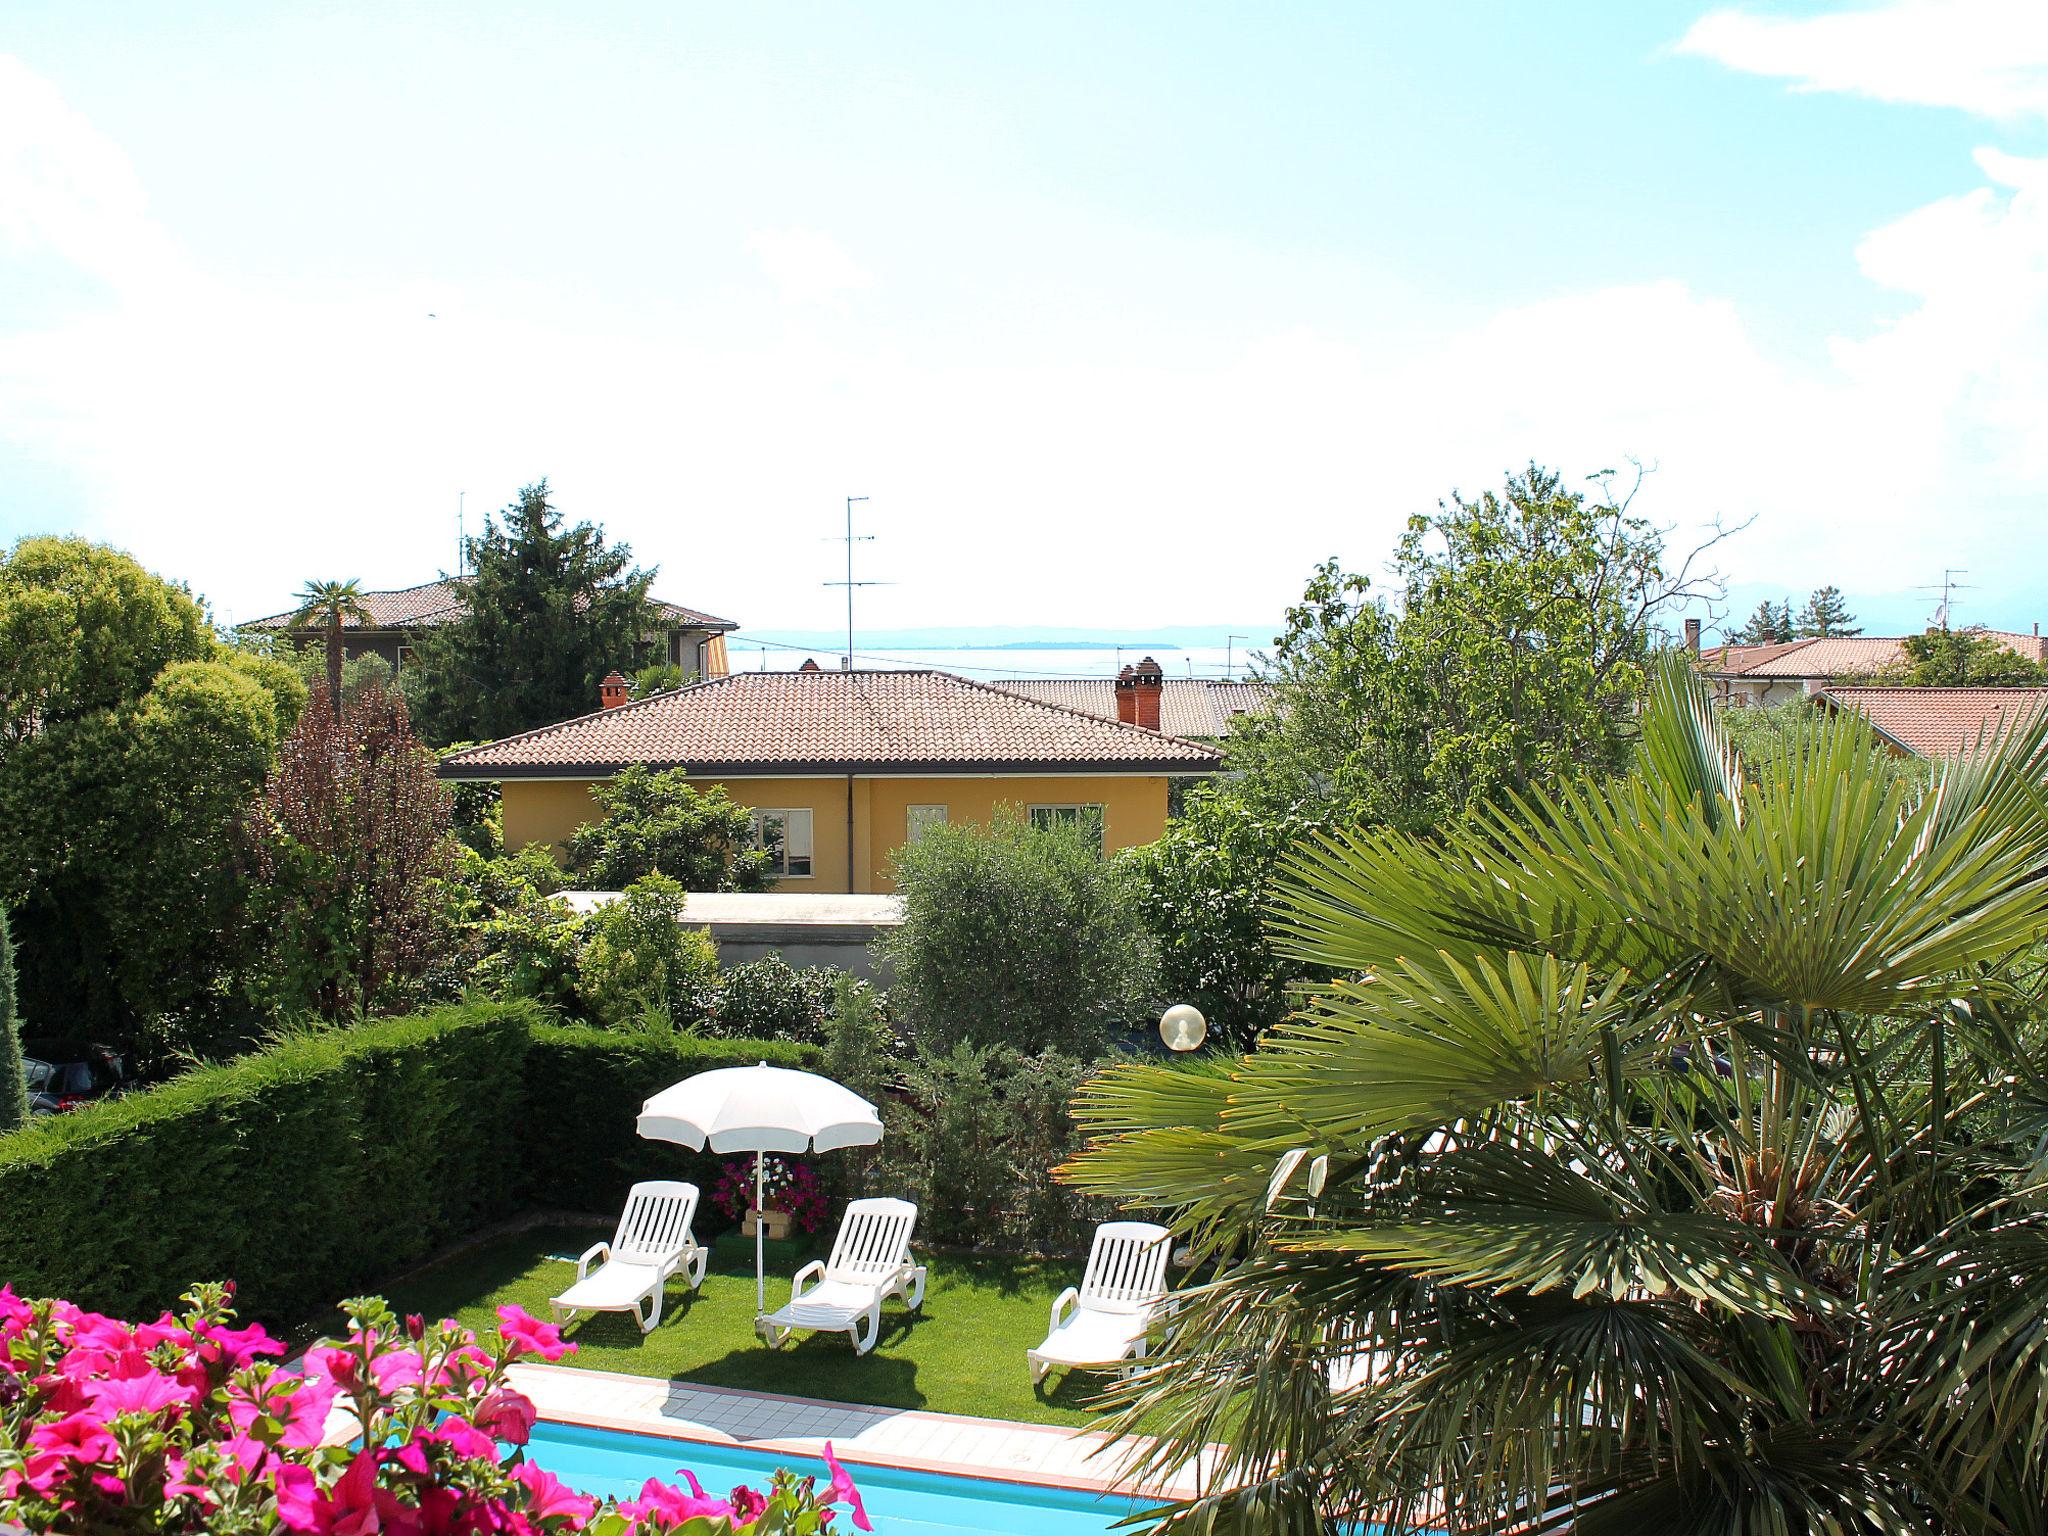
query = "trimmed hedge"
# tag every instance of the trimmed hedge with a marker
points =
(584, 1088)
(320, 1166)
(302, 1172)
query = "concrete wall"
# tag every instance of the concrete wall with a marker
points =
(1133, 809)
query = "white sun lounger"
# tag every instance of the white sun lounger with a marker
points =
(1102, 1325)
(870, 1262)
(654, 1243)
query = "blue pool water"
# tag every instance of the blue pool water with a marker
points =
(899, 1502)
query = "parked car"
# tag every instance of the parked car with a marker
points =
(64, 1074)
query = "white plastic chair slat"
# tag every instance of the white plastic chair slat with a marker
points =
(656, 1221)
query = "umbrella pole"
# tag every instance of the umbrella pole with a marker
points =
(760, 1259)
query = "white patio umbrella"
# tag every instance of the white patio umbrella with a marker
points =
(760, 1109)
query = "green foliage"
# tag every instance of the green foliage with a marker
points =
(552, 609)
(975, 1141)
(1203, 890)
(1826, 615)
(1018, 934)
(328, 606)
(1771, 624)
(639, 960)
(1962, 658)
(1512, 657)
(315, 1167)
(1666, 1157)
(585, 1087)
(359, 674)
(130, 742)
(660, 822)
(13, 1082)
(660, 677)
(770, 999)
(347, 843)
(1761, 735)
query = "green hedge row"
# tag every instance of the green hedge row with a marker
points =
(322, 1165)
(584, 1088)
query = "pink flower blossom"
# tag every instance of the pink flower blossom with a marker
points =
(15, 1313)
(843, 1491)
(352, 1507)
(505, 1415)
(79, 1437)
(236, 1346)
(548, 1497)
(748, 1505)
(662, 1502)
(300, 1405)
(529, 1335)
(148, 1392)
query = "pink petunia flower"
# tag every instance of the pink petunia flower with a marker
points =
(505, 1415)
(547, 1496)
(843, 1490)
(149, 1392)
(300, 1405)
(662, 1502)
(529, 1335)
(236, 1346)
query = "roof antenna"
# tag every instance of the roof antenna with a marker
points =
(461, 539)
(849, 539)
(1944, 614)
(1230, 655)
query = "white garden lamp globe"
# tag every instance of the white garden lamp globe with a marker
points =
(1182, 1027)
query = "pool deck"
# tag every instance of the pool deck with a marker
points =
(898, 1437)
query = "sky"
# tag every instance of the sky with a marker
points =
(1120, 315)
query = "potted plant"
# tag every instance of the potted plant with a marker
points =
(791, 1197)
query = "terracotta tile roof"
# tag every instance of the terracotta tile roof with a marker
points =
(1835, 656)
(1940, 722)
(1188, 706)
(434, 603)
(835, 722)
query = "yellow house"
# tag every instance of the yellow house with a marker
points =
(842, 768)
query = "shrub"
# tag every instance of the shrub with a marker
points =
(180, 1426)
(13, 1084)
(321, 1164)
(638, 958)
(661, 822)
(1017, 933)
(770, 999)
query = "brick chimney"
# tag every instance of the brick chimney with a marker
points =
(810, 665)
(1692, 636)
(613, 691)
(1146, 682)
(1126, 700)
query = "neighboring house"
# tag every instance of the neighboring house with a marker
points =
(842, 768)
(1757, 676)
(1939, 722)
(1203, 709)
(688, 639)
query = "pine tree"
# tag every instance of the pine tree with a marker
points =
(1771, 624)
(13, 1084)
(1825, 615)
(552, 609)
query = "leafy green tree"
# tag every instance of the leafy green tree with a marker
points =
(1673, 1163)
(1511, 655)
(552, 609)
(660, 677)
(1018, 934)
(1825, 615)
(1961, 658)
(658, 822)
(1203, 889)
(348, 842)
(130, 742)
(639, 963)
(1771, 624)
(328, 606)
(13, 1081)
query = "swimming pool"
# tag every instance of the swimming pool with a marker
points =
(899, 1502)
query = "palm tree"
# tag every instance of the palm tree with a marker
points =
(331, 604)
(1673, 1160)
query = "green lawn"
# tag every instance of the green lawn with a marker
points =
(962, 1353)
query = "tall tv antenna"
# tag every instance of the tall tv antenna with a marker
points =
(1948, 587)
(849, 539)
(461, 537)
(1230, 654)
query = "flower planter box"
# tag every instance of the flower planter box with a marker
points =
(776, 1222)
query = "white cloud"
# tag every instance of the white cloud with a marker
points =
(808, 266)
(1989, 57)
(247, 438)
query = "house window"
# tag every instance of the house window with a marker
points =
(787, 837)
(918, 818)
(1054, 815)
(404, 657)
